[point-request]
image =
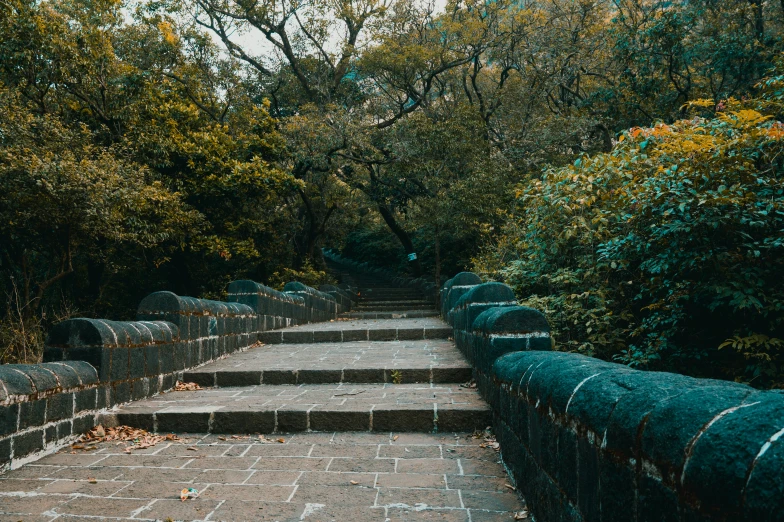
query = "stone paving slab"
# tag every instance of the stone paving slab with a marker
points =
(380, 307)
(310, 476)
(393, 314)
(361, 330)
(374, 324)
(403, 304)
(358, 362)
(317, 407)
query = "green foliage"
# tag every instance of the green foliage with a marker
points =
(306, 275)
(657, 252)
(133, 157)
(136, 155)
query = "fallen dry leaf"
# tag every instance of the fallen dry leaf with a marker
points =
(192, 448)
(510, 487)
(186, 386)
(281, 440)
(395, 437)
(221, 438)
(92, 480)
(521, 515)
(354, 482)
(139, 439)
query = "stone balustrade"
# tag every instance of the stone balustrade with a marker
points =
(94, 364)
(593, 441)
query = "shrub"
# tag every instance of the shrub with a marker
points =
(306, 275)
(666, 249)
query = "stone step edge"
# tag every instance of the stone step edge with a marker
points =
(390, 308)
(403, 304)
(353, 335)
(428, 419)
(410, 314)
(223, 378)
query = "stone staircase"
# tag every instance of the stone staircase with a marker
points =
(376, 299)
(354, 375)
(388, 365)
(362, 418)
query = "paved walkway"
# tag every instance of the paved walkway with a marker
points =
(310, 476)
(338, 430)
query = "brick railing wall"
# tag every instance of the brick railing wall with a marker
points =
(91, 365)
(587, 440)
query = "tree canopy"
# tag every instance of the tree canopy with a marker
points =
(566, 147)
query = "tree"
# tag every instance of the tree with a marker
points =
(136, 158)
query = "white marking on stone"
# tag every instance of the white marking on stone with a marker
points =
(114, 335)
(214, 510)
(520, 384)
(765, 447)
(311, 509)
(190, 409)
(528, 384)
(706, 428)
(776, 436)
(529, 335)
(142, 509)
(577, 388)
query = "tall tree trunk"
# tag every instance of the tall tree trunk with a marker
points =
(759, 20)
(402, 235)
(95, 272)
(180, 275)
(438, 256)
(316, 229)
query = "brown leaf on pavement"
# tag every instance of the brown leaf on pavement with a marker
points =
(186, 386)
(139, 439)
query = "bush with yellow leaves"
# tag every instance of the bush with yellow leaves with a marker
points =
(657, 253)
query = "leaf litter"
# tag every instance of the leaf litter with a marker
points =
(187, 386)
(138, 438)
(488, 441)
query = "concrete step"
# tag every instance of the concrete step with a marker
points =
(401, 303)
(398, 314)
(310, 407)
(390, 289)
(413, 300)
(392, 297)
(327, 363)
(391, 307)
(360, 330)
(290, 335)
